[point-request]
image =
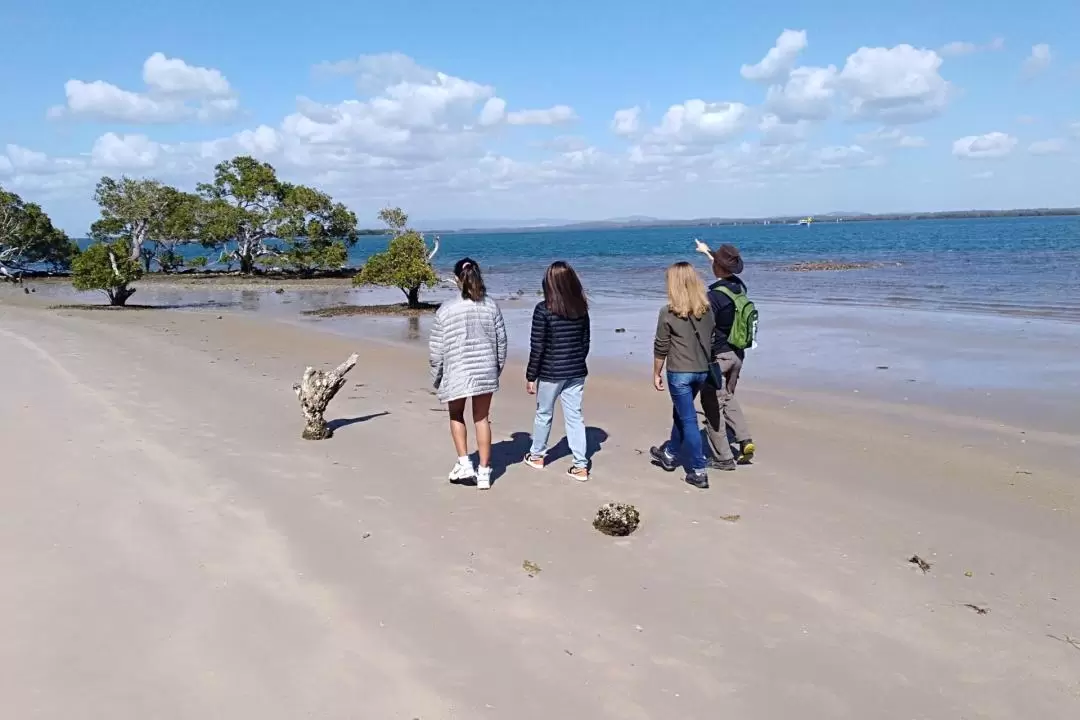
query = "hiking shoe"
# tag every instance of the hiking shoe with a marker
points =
(746, 452)
(725, 465)
(483, 478)
(536, 462)
(664, 459)
(462, 472)
(578, 473)
(698, 478)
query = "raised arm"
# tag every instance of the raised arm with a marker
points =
(702, 248)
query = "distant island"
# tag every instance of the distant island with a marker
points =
(644, 222)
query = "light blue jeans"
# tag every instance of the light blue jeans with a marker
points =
(570, 391)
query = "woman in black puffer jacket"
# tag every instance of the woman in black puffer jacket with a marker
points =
(557, 367)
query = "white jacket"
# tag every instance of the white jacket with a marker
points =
(467, 348)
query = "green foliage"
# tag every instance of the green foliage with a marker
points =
(394, 218)
(135, 211)
(404, 264)
(249, 205)
(307, 257)
(199, 261)
(27, 236)
(177, 227)
(107, 267)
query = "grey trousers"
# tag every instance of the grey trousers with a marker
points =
(722, 409)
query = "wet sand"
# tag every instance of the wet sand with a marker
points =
(172, 549)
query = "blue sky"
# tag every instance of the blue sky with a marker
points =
(507, 111)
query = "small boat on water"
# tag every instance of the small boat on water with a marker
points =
(805, 221)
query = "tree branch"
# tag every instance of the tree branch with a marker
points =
(435, 249)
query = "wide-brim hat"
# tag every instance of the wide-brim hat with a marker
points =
(727, 258)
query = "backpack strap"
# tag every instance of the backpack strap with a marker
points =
(727, 291)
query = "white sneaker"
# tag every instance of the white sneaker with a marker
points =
(462, 471)
(483, 478)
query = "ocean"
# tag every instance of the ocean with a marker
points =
(1021, 266)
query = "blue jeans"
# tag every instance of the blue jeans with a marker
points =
(685, 440)
(570, 391)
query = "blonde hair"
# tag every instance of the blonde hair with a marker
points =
(685, 291)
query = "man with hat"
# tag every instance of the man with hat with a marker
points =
(722, 409)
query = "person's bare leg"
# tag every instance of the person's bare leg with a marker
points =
(481, 407)
(458, 431)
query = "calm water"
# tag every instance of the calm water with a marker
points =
(1001, 266)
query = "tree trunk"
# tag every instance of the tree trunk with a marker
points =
(414, 297)
(315, 391)
(247, 264)
(118, 297)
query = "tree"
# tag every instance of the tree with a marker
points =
(108, 267)
(179, 226)
(133, 210)
(248, 205)
(27, 236)
(405, 264)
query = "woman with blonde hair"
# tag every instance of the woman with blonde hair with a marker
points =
(683, 337)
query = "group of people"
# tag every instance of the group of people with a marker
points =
(702, 334)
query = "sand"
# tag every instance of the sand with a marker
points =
(171, 548)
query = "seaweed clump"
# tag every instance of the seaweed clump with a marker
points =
(617, 519)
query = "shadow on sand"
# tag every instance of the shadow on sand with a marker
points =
(336, 425)
(507, 453)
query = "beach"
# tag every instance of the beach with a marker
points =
(172, 549)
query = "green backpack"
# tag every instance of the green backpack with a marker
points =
(744, 327)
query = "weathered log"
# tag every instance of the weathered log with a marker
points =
(315, 391)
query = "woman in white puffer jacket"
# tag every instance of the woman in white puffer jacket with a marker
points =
(468, 353)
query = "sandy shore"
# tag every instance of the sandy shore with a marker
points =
(171, 549)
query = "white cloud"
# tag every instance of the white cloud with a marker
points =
(848, 156)
(807, 94)
(775, 131)
(779, 60)
(551, 116)
(1037, 61)
(985, 175)
(990, 145)
(894, 85)
(22, 159)
(173, 76)
(698, 122)
(893, 136)
(176, 92)
(380, 70)
(127, 152)
(1053, 146)
(958, 48)
(627, 121)
(493, 112)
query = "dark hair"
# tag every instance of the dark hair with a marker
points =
(563, 293)
(467, 271)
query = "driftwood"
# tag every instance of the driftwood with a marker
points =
(315, 391)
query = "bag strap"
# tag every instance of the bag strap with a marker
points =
(708, 354)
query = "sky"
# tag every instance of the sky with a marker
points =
(477, 112)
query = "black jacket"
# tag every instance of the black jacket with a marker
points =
(724, 311)
(558, 346)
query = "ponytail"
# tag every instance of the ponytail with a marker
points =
(467, 272)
